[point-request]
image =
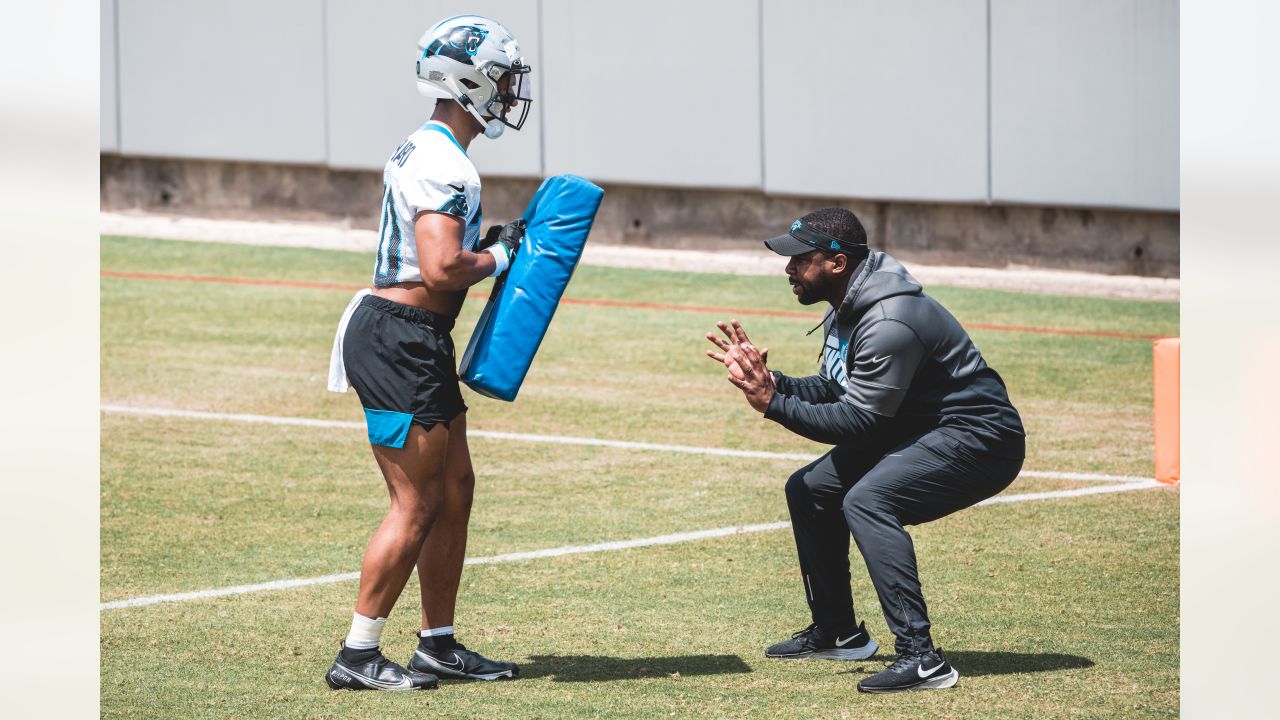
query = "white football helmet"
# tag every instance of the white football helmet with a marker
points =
(477, 63)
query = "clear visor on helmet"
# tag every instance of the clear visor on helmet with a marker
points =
(515, 95)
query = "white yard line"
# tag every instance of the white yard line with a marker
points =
(1125, 484)
(1082, 477)
(581, 549)
(507, 557)
(224, 591)
(1077, 492)
(559, 440)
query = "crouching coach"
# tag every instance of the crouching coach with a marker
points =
(922, 427)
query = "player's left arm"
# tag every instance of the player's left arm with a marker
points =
(886, 359)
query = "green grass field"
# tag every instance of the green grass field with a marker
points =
(1059, 608)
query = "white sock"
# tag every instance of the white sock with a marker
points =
(366, 633)
(436, 632)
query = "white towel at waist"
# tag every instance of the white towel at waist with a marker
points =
(338, 371)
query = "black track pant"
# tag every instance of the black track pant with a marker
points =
(873, 495)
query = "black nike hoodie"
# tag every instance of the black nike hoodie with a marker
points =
(895, 364)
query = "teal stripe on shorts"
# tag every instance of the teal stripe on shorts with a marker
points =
(387, 427)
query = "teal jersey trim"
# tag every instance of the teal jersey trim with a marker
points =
(387, 427)
(438, 127)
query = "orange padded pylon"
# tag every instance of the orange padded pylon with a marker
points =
(1166, 401)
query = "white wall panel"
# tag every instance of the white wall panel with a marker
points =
(233, 79)
(863, 98)
(108, 128)
(662, 92)
(876, 99)
(373, 99)
(1084, 98)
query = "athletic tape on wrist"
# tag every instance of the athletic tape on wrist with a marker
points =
(500, 257)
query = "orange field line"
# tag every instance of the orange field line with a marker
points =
(728, 312)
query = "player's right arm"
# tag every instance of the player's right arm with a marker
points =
(887, 357)
(445, 265)
(812, 388)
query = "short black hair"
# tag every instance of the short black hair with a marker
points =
(839, 223)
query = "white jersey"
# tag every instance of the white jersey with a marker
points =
(429, 172)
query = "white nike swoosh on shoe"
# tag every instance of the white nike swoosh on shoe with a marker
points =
(846, 641)
(926, 673)
(404, 684)
(442, 663)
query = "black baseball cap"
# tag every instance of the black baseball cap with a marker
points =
(803, 238)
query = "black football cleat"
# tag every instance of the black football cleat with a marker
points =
(913, 671)
(812, 642)
(377, 673)
(460, 663)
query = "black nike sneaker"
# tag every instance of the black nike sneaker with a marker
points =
(459, 662)
(375, 673)
(812, 642)
(913, 671)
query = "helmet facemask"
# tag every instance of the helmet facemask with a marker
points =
(513, 101)
(511, 97)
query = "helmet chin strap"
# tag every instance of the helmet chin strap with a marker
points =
(493, 127)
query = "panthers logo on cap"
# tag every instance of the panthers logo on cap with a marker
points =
(796, 225)
(460, 44)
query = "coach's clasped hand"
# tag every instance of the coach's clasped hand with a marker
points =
(502, 241)
(747, 365)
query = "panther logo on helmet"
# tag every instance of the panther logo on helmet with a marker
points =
(460, 44)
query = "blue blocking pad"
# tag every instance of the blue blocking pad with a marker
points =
(519, 311)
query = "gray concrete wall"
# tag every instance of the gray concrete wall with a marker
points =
(912, 105)
(1109, 241)
(874, 99)
(1084, 102)
(1055, 102)
(234, 80)
(108, 128)
(373, 102)
(662, 92)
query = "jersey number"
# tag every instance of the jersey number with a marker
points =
(388, 265)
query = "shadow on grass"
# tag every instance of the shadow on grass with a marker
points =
(590, 668)
(976, 663)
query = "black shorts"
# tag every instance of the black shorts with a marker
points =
(400, 360)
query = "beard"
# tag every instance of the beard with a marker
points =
(805, 293)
